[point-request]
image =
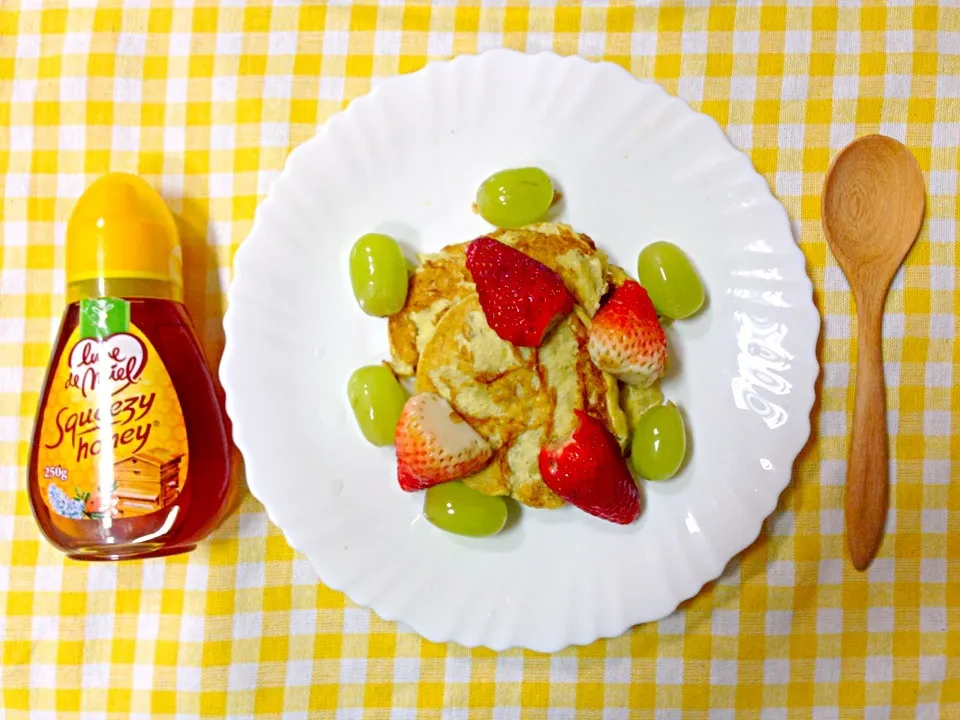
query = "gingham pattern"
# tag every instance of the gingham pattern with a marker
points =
(205, 103)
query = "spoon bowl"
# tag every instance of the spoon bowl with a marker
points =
(873, 203)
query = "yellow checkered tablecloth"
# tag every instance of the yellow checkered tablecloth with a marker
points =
(206, 100)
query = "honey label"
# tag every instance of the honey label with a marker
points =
(113, 442)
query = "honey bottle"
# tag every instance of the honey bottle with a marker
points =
(130, 456)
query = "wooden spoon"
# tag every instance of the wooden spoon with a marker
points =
(873, 202)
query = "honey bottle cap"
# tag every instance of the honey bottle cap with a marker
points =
(121, 230)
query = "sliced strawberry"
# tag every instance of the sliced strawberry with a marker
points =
(434, 444)
(521, 298)
(588, 471)
(626, 338)
(407, 481)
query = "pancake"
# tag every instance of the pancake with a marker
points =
(442, 279)
(519, 399)
(438, 282)
(616, 276)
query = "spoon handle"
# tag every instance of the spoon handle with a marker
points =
(867, 487)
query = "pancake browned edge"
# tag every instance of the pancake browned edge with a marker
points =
(438, 282)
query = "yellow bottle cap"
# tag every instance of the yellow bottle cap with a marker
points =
(120, 228)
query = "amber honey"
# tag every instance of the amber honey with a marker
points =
(130, 454)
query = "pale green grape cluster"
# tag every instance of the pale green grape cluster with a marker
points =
(514, 198)
(377, 400)
(667, 275)
(378, 273)
(458, 509)
(659, 443)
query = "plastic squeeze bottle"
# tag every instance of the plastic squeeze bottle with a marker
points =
(130, 455)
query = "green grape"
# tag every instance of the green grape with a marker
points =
(668, 276)
(461, 510)
(377, 400)
(514, 198)
(659, 443)
(378, 273)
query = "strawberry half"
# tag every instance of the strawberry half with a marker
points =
(435, 445)
(588, 471)
(626, 338)
(521, 298)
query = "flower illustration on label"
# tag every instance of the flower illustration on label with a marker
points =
(64, 505)
(118, 360)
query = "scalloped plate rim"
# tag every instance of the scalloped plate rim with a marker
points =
(229, 360)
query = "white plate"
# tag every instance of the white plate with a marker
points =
(635, 165)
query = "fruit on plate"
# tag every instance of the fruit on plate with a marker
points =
(588, 471)
(521, 298)
(659, 443)
(378, 273)
(435, 445)
(377, 400)
(536, 363)
(668, 276)
(513, 198)
(626, 338)
(460, 510)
